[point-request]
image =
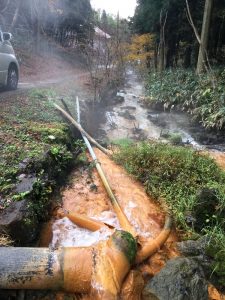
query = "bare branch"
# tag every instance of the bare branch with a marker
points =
(192, 23)
(5, 8)
(203, 51)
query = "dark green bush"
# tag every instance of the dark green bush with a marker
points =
(201, 96)
(192, 185)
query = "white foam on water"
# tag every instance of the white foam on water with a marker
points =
(67, 234)
(108, 217)
(128, 212)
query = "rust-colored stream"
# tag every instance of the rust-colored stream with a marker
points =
(86, 195)
(219, 158)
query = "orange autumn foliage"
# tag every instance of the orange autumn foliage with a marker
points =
(141, 48)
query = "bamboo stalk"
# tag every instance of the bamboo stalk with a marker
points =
(99, 270)
(69, 269)
(152, 246)
(81, 221)
(124, 222)
(78, 126)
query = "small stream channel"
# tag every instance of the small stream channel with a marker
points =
(130, 118)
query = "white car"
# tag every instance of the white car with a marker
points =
(9, 67)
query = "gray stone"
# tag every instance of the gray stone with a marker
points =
(19, 222)
(127, 115)
(25, 184)
(193, 248)
(180, 279)
(129, 107)
(118, 99)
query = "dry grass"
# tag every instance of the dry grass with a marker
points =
(5, 241)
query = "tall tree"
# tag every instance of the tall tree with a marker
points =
(163, 19)
(104, 21)
(202, 57)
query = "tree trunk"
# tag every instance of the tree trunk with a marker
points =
(161, 60)
(187, 57)
(156, 56)
(202, 56)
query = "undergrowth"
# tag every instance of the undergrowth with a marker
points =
(37, 149)
(186, 91)
(191, 185)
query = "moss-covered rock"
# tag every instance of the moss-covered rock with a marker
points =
(126, 243)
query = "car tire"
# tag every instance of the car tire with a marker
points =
(12, 79)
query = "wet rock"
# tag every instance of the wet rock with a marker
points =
(127, 115)
(157, 119)
(122, 92)
(118, 99)
(102, 133)
(18, 221)
(24, 164)
(21, 176)
(25, 184)
(93, 187)
(157, 106)
(193, 248)
(139, 134)
(154, 117)
(111, 120)
(220, 148)
(180, 279)
(129, 107)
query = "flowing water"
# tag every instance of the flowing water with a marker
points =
(132, 119)
(86, 195)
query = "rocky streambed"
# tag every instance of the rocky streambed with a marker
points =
(126, 115)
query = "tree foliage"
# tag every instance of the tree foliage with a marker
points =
(180, 42)
(141, 50)
(61, 19)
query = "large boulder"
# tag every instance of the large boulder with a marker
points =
(180, 279)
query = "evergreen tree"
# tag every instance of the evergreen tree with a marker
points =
(181, 45)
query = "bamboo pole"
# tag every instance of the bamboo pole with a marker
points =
(81, 221)
(124, 222)
(78, 126)
(99, 270)
(67, 269)
(152, 246)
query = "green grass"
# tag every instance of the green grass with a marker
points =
(30, 127)
(122, 142)
(192, 186)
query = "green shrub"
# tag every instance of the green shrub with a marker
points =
(192, 186)
(199, 96)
